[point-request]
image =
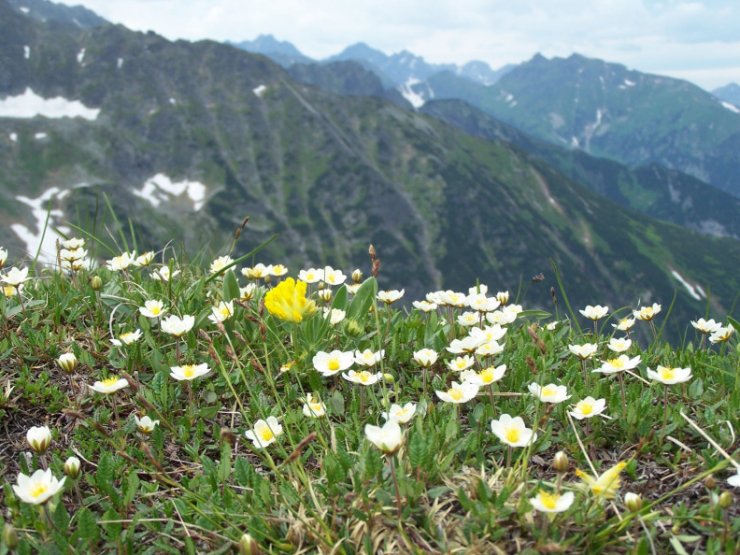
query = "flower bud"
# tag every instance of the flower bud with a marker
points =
(325, 295)
(389, 378)
(96, 283)
(710, 482)
(10, 536)
(560, 462)
(357, 276)
(725, 500)
(248, 545)
(72, 467)
(67, 362)
(353, 327)
(633, 502)
(39, 438)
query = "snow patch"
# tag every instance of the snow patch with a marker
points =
(40, 136)
(629, 83)
(119, 63)
(30, 105)
(416, 100)
(731, 107)
(24, 9)
(13, 137)
(26, 52)
(690, 288)
(35, 239)
(260, 91)
(80, 56)
(160, 188)
(173, 101)
(574, 142)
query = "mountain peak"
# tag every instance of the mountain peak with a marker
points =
(43, 10)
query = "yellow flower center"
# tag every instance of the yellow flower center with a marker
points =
(109, 382)
(38, 490)
(333, 364)
(363, 376)
(549, 500)
(616, 363)
(513, 435)
(188, 370)
(315, 407)
(155, 310)
(549, 391)
(455, 394)
(266, 434)
(460, 363)
(487, 375)
(126, 337)
(667, 373)
(224, 311)
(586, 407)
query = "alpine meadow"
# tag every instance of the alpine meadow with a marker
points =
(258, 302)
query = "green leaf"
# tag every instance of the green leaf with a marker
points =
(231, 287)
(364, 298)
(439, 491)
(87, 526)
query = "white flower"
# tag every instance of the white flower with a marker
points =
(595, 312)
(264, 432)
(721, 334)
(487, 334)
(335, 315)
(313, 408)
(127, 338)
(512, 431)
(258, 271)
(145, 424)
(489, 349)
(619, 345)
(163, 274)
(121, 262)
(619, 364)
(551, 326)
(363, 377)
(144, 259)
(72, 467)
(15, 277)
(222, 312)
(334, 362)
(734, 481)
(424, 306)
(220, 263)
(465, 345)
(459, 364)
(706, 326)
(312, 275)
(388, 438)
(481, 303)
(502, 317)
(585, 351)
(3, 257)
(38, 487)
(334, 277)
(669, 376)
(67, 255)
(487, 376)
(453, 298)
(390, 296)
(467, 318)
(625, 324)
(458, 393)
(177, 326)
(73, 243)
(247, 293)
(369, 357)
(109, 385)
(552, 502)
(152, 309)
(425, 357)
(480, 289)
(503, 297)
(67, 362)
(647, 313)
(189, 372)
(324, 294)
(550, 393)
(39, 438)
(588, 407)
(277, 270)
(401, 414)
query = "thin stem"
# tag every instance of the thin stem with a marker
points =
(395, 483)
(624, 395)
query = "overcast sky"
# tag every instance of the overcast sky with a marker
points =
(694, 40)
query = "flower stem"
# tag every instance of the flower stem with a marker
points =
(395, 483)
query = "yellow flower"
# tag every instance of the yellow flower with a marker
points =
(607, 484)
(288, 301)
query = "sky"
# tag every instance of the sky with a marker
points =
(694, 40)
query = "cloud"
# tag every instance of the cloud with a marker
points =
(650, 35)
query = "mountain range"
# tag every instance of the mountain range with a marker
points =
(187, 139)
